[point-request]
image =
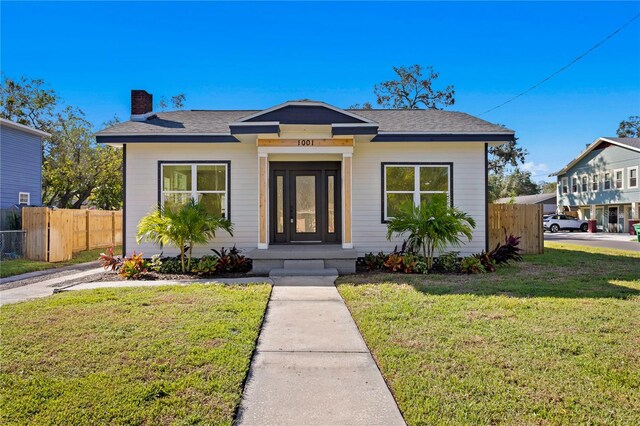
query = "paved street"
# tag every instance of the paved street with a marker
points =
(601, 239)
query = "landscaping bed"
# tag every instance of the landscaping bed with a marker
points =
(554, 339)
(161, 355)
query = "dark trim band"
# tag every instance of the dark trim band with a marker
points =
(258, 128)
(444, 137)
(167, 139)
(355, 130)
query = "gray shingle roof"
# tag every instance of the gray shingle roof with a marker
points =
(428, 120)
(631, 142)
(528, 199)
(217, 121)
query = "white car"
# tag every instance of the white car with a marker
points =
(556, 222)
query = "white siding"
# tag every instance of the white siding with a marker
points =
(369, 233)
(142, 189)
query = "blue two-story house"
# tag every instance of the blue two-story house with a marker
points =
(20, 164)
(602, 183)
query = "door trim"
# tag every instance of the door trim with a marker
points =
(286, 169)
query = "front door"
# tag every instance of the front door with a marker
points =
(613, 219)
(305, 202)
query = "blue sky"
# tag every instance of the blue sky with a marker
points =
(256, 55)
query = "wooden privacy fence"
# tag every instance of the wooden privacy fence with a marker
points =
(521, 220)
(54, 235)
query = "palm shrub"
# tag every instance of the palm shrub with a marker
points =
(432, 226)
(183, 227)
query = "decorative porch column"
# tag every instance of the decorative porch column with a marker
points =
(347, 243)
(263, 242)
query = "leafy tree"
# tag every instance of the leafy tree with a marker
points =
(433, 225)
(512, 185)
(28, 102)
(547, 187)
(186, 226)
(177, 102)
(506, 155)
(74, 168)
(411, 91)
(364, 105)
(629, 128)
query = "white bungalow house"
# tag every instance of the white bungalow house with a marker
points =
(303, 179)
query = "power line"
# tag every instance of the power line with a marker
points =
(544, 80)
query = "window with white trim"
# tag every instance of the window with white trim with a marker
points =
(594, 182)
(204, 182)
(633, 177)
(565, 185)
(607, 181)
(619, 178)
(584, 183)
(415, 183)
(574, 185)
(24, 198)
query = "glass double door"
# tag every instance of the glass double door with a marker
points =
(305, 202)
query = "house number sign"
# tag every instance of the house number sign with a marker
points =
(305, 143)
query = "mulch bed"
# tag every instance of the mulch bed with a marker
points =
(154, 276)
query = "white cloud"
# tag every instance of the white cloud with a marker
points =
(536, 169)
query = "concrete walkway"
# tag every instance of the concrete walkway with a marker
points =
(43, 288)
(311, 366)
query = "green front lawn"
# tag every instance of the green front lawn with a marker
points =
(12, 267)
(162, 355)
(552, 340)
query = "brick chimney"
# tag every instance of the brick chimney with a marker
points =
(141, 105)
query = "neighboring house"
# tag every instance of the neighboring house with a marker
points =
(20, 164)
(304, 171)
(602, 183)
(548, 201)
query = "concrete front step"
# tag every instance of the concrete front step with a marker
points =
(308, 272)
(304, 264)
(332, 256)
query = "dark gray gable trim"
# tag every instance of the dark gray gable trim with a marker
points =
(444, 137)
(412, 163)
(354, 130)
(258, 128)
(167, 139)
(227, 162)
(305, 114)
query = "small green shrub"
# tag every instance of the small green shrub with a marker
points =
(170, 265)
(472, 265)
(155, 263)
(421, 267)
(206, 266)
(448, 262)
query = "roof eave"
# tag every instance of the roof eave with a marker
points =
(22, 127)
